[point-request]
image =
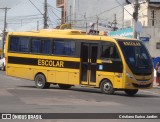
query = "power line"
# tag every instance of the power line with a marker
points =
(24, 18)
(26, 15)
(108, 10)
(35, 7)
(124, 8)
(54, 8)
(55, 14)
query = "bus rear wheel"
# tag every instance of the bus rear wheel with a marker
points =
(64, 86)
(131, 92)
(107, 87)
(40, 82)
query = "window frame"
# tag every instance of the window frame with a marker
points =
(9, 43)
(77, 43)
(41, 39)
(64, 40)
(103, 43)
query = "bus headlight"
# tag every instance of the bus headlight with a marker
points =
(129, 75)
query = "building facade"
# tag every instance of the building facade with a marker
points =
(63, 5)
(149, 17)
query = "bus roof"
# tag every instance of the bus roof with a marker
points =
(123, 38)
(65, 33)
(54, 31)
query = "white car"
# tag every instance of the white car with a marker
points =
(2, 64)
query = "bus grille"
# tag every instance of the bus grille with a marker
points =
(141, 86)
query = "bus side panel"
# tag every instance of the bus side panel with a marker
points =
(44, 72)
(74, 78)
(51, 76)
(21, 72)
(115, 78)
(63, 77)
(105, 75)
(118, 80)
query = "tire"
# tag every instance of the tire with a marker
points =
(107, 87)
(64, 86)
(131, 92)
(40, 82)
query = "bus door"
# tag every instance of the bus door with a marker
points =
(89, 53)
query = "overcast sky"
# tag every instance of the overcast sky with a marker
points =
(23, 16)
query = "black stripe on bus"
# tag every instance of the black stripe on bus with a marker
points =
(115, 66)
(38, 62)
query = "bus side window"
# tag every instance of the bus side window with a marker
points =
(36, 45)
(64, 47)
(45, 46)
(19, 44)
(109, 51)
(40, 45)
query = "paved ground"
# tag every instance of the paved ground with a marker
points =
(19, 95)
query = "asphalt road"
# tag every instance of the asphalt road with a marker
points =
(21, 96)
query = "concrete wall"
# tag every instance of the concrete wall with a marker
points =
(154, 34)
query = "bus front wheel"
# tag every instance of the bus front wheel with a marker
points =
(106, 87)
(64, 86)
(40, 82)
(131, 92)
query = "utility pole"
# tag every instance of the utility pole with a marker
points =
(86, 21)
(45, 15)
(97, 25)
(135, 17)
(37, 25)
(5, 26)
(70, 16)
(153, 17)
(115, 22)
(74, 11)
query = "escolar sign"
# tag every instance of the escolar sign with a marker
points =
(50, 63)
(131, 43)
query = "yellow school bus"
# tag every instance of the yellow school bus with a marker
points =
(70, 57)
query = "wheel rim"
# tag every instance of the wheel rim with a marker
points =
(107, 87)
(40, 82)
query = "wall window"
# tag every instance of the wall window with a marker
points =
(19, 44)
(40, 45)
(158, 45)
(63, 47)
(109, 50)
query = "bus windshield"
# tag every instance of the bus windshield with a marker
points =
(136, 55)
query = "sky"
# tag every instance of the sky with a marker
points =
(23, 16)
(103, 10)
